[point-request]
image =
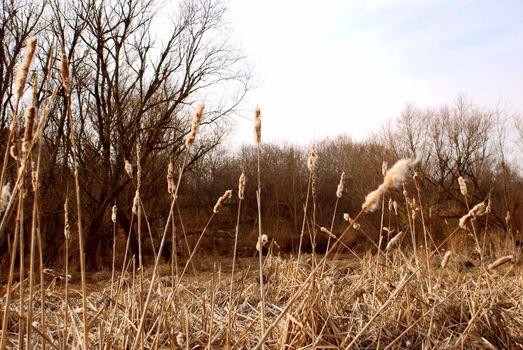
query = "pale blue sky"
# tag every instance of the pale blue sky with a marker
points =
(347, 66)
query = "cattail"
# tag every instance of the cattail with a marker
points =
(29, 116)
(446, 258)
(34, 176)
(23, 70)
(129, 168)
(221, 200)
(264, 239)
(507, 217)
(393, 178)
(390, 204)
(325, 230)
(462, 186)
(171, 188)
(478, 210)
(415, 178)
(339, 191)
(4, 197)
(384, 167)
(311, 162)
(66, 81)
(114, 212)
(180, 340)
(241, 186)
(257, 125)
(500, 261)
(394, 240)
(35, 90)
(67, 228)
(136, 202)
(354, 224)
(196, 120)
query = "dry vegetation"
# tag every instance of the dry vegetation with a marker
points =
(352, 253)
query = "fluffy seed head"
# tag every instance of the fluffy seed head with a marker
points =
(136, 202)
(221, 200)
(129, 168)
(34, 175)
(384, 167)
(23, 70)
(500, 261)
(445, 260)
(4, 197)
(196, 121)
(394, 240)
(395, 206)
(171, 188)
(478, 210)
(462, 186)
(241, 186)
(66, 81)
(114, 212)
(346, 216)
(393, 178)
(257, 125)
(264, 239)
(311, 162)
(339, 191)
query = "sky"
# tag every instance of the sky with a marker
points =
(346, 67)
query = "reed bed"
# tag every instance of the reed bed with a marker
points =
(468, 307)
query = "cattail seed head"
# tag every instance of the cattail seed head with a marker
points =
(136, 202)
(415, 178)
(34, 176)
(384, 167)
(129, 168)
(446, 258)
(393, 178)
(311, 162)
(478, 210)
(394, 240)
(114, 212)
(500, 261)
(241, 186)
(257, 125)
(4, 197)
(462, 186)
(35, 90)
(67, 228)
(23, 70)
(196, 121)
(395, 206)
(264, 239)
(66, 81)
(390, 204)
(339, 191)
(508, 217)
(221, 200)
(29, 120)
(171, 187)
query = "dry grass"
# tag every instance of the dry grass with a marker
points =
(467, 306)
